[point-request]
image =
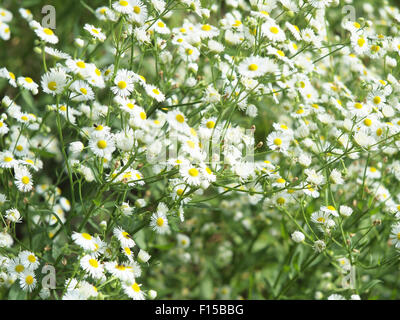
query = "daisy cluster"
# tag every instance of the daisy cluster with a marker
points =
(215, 137)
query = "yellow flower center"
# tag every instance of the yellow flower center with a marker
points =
(210, 124)
(281, 200)
(86, 236)
(83, 90)
(321, 219)
(52, 85)
(125, 235)
(274, 30)
(120, 267)
(331, 208)
(253, 67)
(81, 64)
(136, 287)
(94, 263)
(193, 172)
(179, 192)
(29, 280)
(206, 27)
(25, 180)
(358, 105)
(123, 3)
(31, 258)
(143, 115)
(101, 144)
(19, 268)
(180, 118)
(48, 31)
(191, 144)
(377, 100)
(375, 48)
(361, 42)
(161, 24)
(160, 222)
(7, 159)
(155, 91)
(122, 85)
(29, 80)
(368, 122)
(277, 141)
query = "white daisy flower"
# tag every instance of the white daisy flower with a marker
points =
(134, 291)
(159, 222)
(13, 215)
(95, 32)
(120, 271)
(28, 83)
(272, 31)
(84, 240)
(191, 175)
(102, 145)
(123, 237)
(154, 92)
(23, 179)
(92, 266)
(124, 83)
(29, 260)
(27, 280)
(46, 35)
(139, 11)
(123, 6)
(54, 81)
(253, 67)
(81, 91)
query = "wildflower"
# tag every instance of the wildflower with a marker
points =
(54, 81)
(134, 291)
(102, 146)
(13, 215)
(27, 280)
(92, 266)
(84, 240)
(46, 35)
(123, 237)
(254, 67)
(159, 222)
(23, 179)
(298, 236)
(95, 32)
(29, 260)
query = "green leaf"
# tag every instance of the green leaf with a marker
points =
(370, 285)
(16, 293)
(26, 95)
(43, 153)
(206, 289)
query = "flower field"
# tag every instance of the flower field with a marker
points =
(187, 149)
